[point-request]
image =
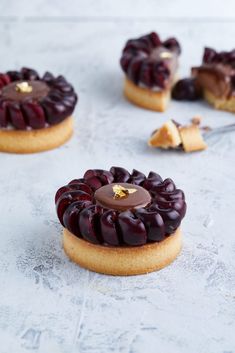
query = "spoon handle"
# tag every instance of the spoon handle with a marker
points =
(219, 130)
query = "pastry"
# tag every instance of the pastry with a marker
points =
(174, 135)
(119, 223)
(150, 67)
(35, 113)
(167, 136)
(216, 77)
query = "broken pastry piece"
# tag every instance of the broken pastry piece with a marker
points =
(166, 137)
(216, 78)
(191, 138)
(173, 135)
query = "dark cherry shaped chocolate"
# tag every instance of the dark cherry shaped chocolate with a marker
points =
(35, 115)
(96, 178)
(172, 44)
(108, 224)
(89, 224)
(71, 215)
(15, 75)
(132, 229)
(152, 181)
(73, 186)
(186, 89)
(29, 74)
(69, 197)
(153, 222)
(16, 117)
(137, 177)
(171, 217)
(4, 113)
(120, 175)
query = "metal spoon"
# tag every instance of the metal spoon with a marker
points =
(218, 130)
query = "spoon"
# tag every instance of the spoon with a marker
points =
(218, 130)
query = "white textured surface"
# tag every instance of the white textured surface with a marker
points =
(47, 304)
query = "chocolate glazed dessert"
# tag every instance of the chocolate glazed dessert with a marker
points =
(150, 67)
(216, 77)
(119, 223)
(35, 112)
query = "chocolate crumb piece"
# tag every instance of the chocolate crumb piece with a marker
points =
(177, 124)
(206, 128)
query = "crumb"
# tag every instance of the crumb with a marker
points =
(206, 128)
(196, 120)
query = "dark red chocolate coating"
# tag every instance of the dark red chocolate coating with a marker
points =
(144, 63)
(52, 100)
(98, 221)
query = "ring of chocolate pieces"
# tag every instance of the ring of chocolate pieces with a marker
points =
(139, 64)
(78, 211)
(211, 56)
(39, 112)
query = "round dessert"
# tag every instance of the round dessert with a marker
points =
(35, 112)
(150, 67)
(120, 223)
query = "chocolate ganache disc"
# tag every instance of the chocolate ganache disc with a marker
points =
(122, 196)
(39, 90)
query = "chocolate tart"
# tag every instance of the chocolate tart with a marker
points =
(35, 112)
(120, 223)
(150, 67)
(216, 77)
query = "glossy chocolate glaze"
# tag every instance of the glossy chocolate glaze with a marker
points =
(39, 90)
(104, 197)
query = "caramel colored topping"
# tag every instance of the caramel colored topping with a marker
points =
(120, 191)
(23, 87)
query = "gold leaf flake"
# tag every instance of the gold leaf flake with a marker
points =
(121, 192)
(166, 55)
(24, 87)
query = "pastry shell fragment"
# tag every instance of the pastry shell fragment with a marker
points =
(165, 137)
(191, 138)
